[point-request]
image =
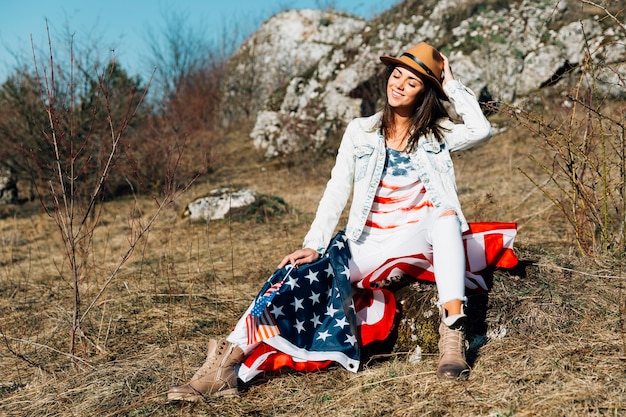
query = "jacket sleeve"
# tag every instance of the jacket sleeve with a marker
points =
(335, 195)
(475, 128)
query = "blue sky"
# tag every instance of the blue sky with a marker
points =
(124, 25)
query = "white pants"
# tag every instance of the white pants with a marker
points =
(437, 237)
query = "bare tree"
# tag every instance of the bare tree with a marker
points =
(80, 126)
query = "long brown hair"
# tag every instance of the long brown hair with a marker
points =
(424, 120)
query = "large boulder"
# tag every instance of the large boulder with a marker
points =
(8, 186)
(314, 71)
(416, 330)
(238, 205)
(288, 44)
(218, 203)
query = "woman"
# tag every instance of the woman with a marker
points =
(404, 211)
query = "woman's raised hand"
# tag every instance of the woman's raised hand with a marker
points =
(447, 71)
(299, 257)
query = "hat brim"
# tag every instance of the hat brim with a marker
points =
(406, 62)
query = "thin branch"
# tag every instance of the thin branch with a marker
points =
(30, 342)
(605, 10)
(122, 261)
(596, 112)
(588, 274)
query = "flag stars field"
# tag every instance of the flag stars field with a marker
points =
(323, 335)
(292, 282)
(297, 304)
(341, 323)
(346, 272)
(312, 277)
(331, 310)
(315, 298)
(299, 326)
(277, 311)
(316, 321)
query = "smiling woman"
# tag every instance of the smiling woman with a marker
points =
(403, 88)
(328, 300)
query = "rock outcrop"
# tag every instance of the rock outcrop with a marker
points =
(236, 205)
(218, 204)
(310, 72)
(8, 186)
(286, 46)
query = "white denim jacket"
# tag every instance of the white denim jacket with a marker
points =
(361, 159)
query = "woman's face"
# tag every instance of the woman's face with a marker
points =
(403, 88)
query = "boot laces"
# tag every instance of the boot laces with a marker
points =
(211, 359)
(452, 340)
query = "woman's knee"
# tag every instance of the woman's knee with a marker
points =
(448, 212)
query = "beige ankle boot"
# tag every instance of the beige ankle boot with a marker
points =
(452, 364)
(217, 377)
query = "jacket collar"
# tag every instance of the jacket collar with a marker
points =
(372, 123)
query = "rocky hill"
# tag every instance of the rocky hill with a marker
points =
(304, 74)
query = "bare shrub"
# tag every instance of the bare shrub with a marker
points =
(189, 76)
(79, 138)
(184, 125)
(583, 155)
(82, 99)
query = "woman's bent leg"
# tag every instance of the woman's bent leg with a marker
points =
(449, 260)
(449, 266)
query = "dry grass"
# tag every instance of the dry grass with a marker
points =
(556, 342)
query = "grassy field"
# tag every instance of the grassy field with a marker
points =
(555, 325)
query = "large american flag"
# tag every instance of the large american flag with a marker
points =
(307, 317)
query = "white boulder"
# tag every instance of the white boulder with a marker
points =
(218, 203)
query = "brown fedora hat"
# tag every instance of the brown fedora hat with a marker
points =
(422, 58)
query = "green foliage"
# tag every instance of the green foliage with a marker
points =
(264, 208)
(77, 110)
(167, 141)
(325, 21)
(475, 25)
(508, 413)
(497, 38)
(21, 116)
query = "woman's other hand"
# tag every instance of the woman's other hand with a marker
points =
(447, 71)
(299, 257)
